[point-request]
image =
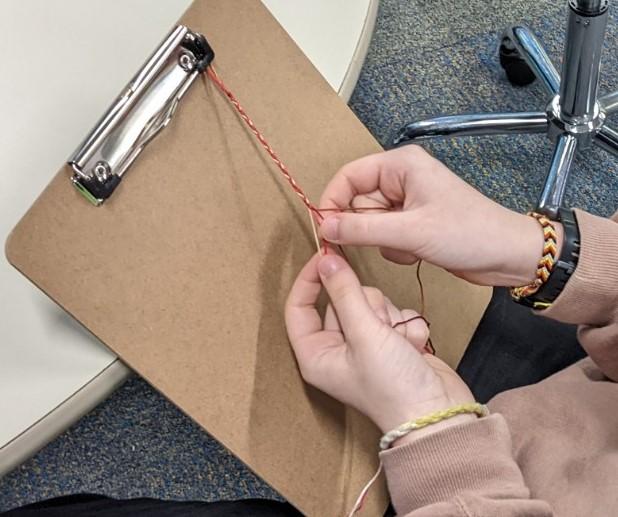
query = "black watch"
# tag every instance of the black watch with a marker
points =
(563, 267)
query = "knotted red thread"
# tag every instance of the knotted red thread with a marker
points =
(299, 191)
(429, 345)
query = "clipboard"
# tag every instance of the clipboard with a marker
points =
(184, 268)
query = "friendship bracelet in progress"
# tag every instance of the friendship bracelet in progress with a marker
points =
(433, 418)
(547, 261)
(316, 217)
(315, 214)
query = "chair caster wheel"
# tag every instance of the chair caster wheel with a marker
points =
(517, 70)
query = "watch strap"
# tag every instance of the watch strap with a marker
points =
(563, 267)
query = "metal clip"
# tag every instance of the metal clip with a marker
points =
(145, 107)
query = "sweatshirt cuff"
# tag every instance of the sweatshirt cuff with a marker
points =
(474, 456)
(593, 286)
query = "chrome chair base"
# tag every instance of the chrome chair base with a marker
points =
(574, 118)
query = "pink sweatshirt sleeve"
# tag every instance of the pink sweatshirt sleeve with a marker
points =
(590, 297)
(469, 470)
(464, 470)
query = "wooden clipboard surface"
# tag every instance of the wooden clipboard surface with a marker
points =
(184, 271)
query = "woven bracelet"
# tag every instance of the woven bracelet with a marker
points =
(433, 418)
(547, 261)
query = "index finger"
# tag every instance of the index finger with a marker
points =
(353, 179)
(301, 316)
(381, 172)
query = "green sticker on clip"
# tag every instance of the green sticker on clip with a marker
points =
(86, 193)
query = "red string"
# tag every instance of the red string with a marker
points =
(282, 167)
(298, 190)
(354, 209)
(413, 318)
(429, 345)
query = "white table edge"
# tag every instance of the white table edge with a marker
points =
(354, 69)
(30, 441)
(33, 439)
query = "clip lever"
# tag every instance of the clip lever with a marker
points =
(144, 108)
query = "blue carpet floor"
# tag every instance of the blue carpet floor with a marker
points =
(426, 58)
(431, 58)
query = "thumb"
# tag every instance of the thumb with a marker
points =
(344, 289)
(390, 230)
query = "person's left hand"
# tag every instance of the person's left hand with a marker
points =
(356, 355)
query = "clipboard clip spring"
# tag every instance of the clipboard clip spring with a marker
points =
(145, 106)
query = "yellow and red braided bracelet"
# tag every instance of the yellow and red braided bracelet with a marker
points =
(547, 261)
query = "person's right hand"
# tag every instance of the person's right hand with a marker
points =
(429, 213)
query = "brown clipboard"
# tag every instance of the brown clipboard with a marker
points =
(184, 271)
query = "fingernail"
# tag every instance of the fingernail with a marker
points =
(330, 228)
(329, 265)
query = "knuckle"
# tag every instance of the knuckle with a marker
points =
(418, 150)
(413, 151)
(343, 294)
(381, 334)
(355, 226)
(365, 226)
(372, 291)
(307, 372)
(418, 332)
(374, 296)
(373, 332)
(367, 332)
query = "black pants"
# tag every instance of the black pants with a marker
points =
(510, 348)
(513, 347)
(91, 505)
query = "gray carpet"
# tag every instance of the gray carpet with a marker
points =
(427, 57)
(435, 57)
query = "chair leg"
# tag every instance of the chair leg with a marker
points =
(607, 138)
(532, 51)
(473, 125)
(555, 182)
(609, 103)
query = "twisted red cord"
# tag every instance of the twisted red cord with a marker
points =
(282, 167)
(299, 191)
